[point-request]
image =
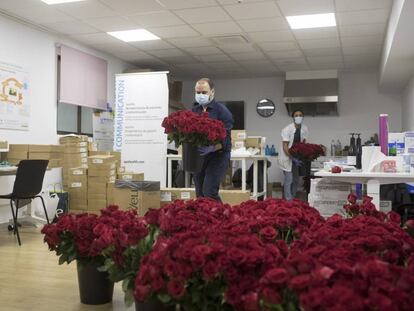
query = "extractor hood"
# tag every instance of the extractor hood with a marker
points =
(313, 92)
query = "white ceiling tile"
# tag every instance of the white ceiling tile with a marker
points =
(319, 43)
(224, 65)
(166, 53)
(285, 54)
(203, 15)
(356, 5)
(264, 24)
(134, 6)
(111, 23)
(323, 52)
(205, 50)
(293, 67)
(300, 7)
(327, 66)
(134, 56)
(237, 1)
(237, 48)
(190, 42)
(186, 4)
(363, 40)
(156, 19)
(252, 10)
(316, 33)
(291, 61)
(97, 38)
(219, 28)
(368, 49)
(41, 14)
(248, 56)
(271, 36)
(119, 47)
(71, 27)
(362, 30)
(324, 59)
(174, 60)
(192, 66)
(214, 58)
(279, 46)
(258, 65)
(362, 58)
(13, 4)
(152, 45)
(85, 9)
(363, 17)
(174, 31)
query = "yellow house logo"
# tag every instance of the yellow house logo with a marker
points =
(12, 91)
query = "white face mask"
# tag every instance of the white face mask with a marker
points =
(298, 120)
(202, 99)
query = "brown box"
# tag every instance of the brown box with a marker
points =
(45, 148)
(96, 205)
(130, 176)
(117, 156)
(99, 153)
(44, 155)
(96, 196)
(95, 180)
(76, 179)
(93, 172)
(77, 195)
(120, 169)
(101, 160)
(80, 210)
(54, 163)
(238, 135)
(18, 148)
(254, 142)
(70, 139)
(23, 155)
(78, 171)
(4, 144)
(169, 195)
(139, 195)
(228, 178)
(110, 192)
(82, 144)
(92, 146)
(14, 161)
(75, 150)
(76, 155)
(234, 197)
(238, 144)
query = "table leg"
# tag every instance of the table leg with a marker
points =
(265, 178)
(243, 174)
(373, 190)
(169, 173)
(187, 179)
(255, 178)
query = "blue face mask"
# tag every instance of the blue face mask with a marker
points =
(202, 99)
(298, 120)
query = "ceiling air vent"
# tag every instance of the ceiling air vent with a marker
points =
(227, 40)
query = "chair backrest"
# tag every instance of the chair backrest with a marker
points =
(29, 178)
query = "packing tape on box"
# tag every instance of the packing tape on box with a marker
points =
(138, 185)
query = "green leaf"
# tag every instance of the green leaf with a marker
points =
(164, 298)
(125, 284)
(129, 298)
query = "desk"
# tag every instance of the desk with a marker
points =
(371, 179)
(243, 159)
(7, 177)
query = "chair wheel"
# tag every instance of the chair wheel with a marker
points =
(10, 227)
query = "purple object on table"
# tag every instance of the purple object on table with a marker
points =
(383, 133)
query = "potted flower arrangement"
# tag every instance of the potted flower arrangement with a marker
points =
(192, 130)
(306, 152)
(84, 238)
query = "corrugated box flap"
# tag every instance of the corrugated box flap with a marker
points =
(138, 185)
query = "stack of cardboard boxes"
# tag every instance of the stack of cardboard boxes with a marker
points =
(75, 154)
(238, 138)
(17, 153)
(78, 189)
(53, 153)
(101, 174)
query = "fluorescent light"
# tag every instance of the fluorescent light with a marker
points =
(133, 35)
(312, 21)
(60, 1)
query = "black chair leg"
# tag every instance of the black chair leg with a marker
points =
(16, 229)
(44, 208)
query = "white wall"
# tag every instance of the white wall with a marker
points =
(359, 107)
(34, 50)
(408, 107)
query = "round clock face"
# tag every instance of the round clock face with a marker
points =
(265, 108)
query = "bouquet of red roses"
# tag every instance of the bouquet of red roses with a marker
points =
(306, 152)
(196, 129)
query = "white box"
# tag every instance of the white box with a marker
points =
(397, 141)
(409, 142)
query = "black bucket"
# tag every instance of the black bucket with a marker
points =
(153, 305)
(192, 160)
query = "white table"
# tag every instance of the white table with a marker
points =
(243, 159)
(373, 180)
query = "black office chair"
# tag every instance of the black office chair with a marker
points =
(27, 186)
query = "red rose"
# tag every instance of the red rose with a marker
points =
(141, 292)
(268, 233)
(175, 289)
(299, 282)
(277, 276)
(270, 295)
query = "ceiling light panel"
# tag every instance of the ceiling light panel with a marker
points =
(312, 21)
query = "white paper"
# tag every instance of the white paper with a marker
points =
(165, 196)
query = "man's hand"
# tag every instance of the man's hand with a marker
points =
(205, 150)
(297, 162)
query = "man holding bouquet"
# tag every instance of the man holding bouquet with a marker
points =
(216, 157)
(295, 132)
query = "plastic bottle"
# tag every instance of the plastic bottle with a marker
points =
(273, 150)
(358, 152)
(267, 150)
(338, 148)
(352, 146)
(333, 151)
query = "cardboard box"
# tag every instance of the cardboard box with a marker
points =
(130, 176)
(71, 149)
(92, 146)
(44, 155)
(45, 148)
(238, 144)
(238, 135)
(101, 160)
(54, 163)
(4, 144)
(234, 197)
(96, 205)
(254, 142)
(139, 195)
(80, 182)
(78, 211)
(14, 161)
(76, 155)
(70, 139)
(23, 155)
(78, 171)
(82, 144)
(396, 143)
(110, 192)
(93, 172)
(169, 195)
(18, 148)
(83, 179)
(120, 169)
(96, 196)
(409, 142)
(95, 180)
(227, 180)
